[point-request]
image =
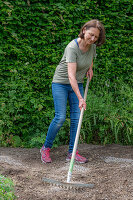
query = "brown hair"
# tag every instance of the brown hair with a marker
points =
(95, 24)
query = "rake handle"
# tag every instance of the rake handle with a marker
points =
(77, 135)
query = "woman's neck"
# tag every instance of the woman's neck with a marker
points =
(83, 47)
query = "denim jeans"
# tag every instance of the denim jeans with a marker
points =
(62, 93)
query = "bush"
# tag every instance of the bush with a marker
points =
(6, 189)
(108, 118)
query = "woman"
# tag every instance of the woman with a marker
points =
(67, 84)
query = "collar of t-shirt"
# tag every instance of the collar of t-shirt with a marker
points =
(76, 41)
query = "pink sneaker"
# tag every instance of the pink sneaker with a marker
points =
(78, 158)
(45, 155)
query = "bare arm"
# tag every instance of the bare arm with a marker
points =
(72, 78)
(90, 72)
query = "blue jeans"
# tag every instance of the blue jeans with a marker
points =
(62, 93)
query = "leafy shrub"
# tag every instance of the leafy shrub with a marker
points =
(6, 189)
(108, 118)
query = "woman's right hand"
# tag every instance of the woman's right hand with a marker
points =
(82, 104)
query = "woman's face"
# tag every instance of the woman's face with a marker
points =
(91, 35)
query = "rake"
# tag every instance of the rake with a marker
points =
(68, 184)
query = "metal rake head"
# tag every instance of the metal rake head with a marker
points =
(75, 186)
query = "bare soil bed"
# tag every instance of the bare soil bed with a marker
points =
(110, 168)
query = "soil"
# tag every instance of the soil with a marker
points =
(109, 168)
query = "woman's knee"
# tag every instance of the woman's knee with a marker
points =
(60, 119)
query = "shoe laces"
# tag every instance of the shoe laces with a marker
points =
(77, 152)
(46, 151)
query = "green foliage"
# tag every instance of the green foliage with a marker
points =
(107, 120)
(32, 40)
(6, 189)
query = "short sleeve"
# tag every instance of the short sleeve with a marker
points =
(71, 55)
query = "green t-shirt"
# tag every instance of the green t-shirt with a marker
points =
(73, 54)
